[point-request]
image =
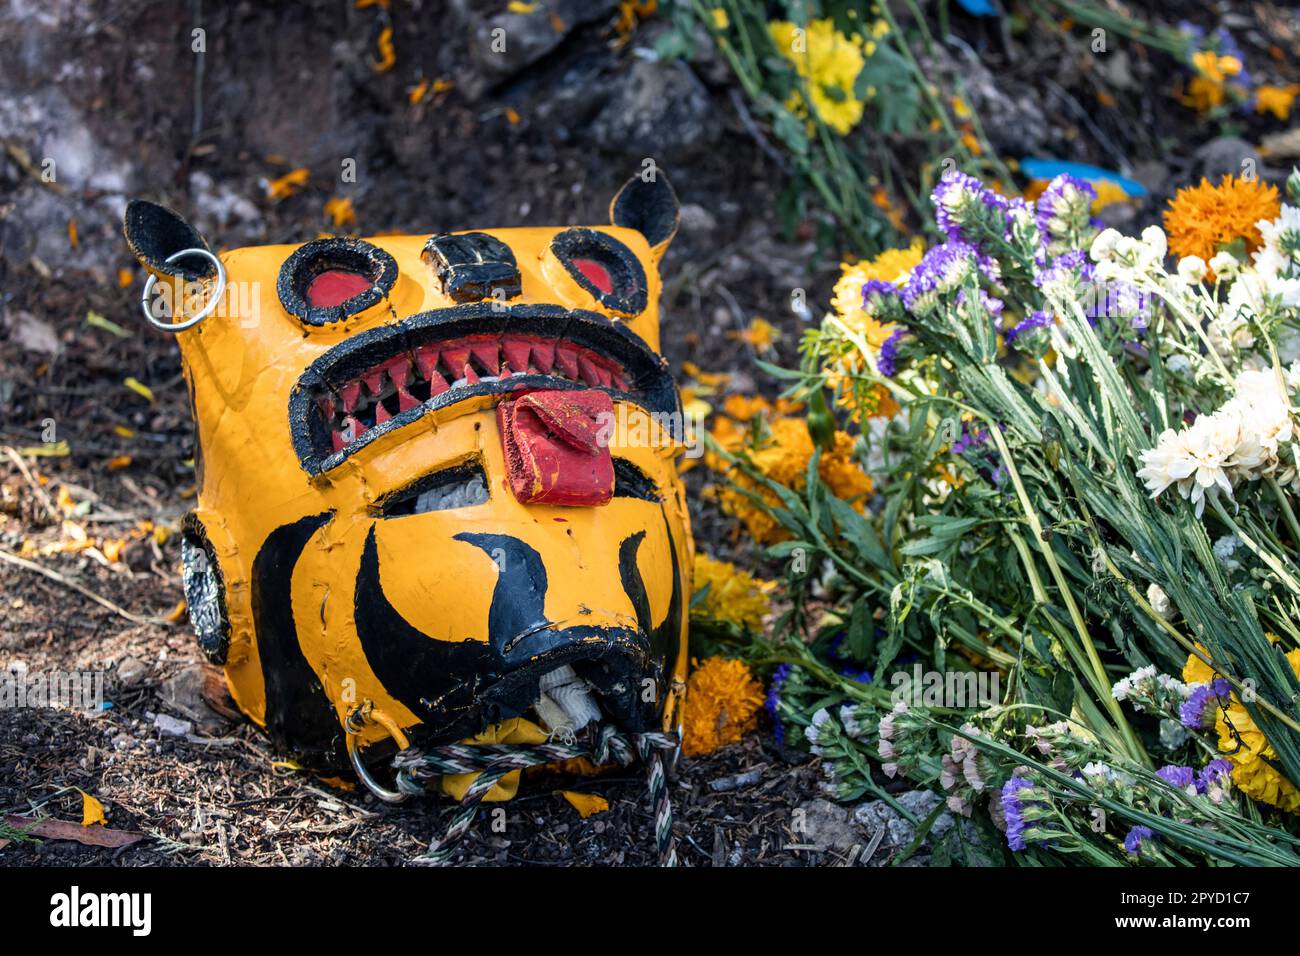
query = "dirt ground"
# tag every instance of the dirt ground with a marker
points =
(115, 94)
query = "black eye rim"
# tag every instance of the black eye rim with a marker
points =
(320, 255)
(630, 295)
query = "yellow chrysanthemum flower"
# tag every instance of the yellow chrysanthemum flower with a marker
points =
(830, 62)
(734, 595)
(890, 266)
(1276, 99)
(1203, 218)
(722, 702)
(1246, 746)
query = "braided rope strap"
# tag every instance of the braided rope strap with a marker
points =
(416, 768)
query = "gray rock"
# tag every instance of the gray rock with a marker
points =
(131, 672)
(827, 826)
(1227, 154)
(503, 44)
(696, 220)
(33, 334)
(659, 109)
(183, 693)
(170, 726)
(876, 815)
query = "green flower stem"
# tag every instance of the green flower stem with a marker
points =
(1187, 644)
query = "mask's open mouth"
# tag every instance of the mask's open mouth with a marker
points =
(385, 378)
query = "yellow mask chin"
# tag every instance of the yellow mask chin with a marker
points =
(437, 481)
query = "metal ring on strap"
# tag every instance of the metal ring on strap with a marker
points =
(357, 719)
(203, 313)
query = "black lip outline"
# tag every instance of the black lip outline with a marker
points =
(382, 265)
(652, 385)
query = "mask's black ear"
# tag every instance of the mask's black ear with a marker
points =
(154, 232)
(650, 207)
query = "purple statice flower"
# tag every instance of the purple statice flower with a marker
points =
(1216, 771)
(1064, 274)
(988, 303)
(1198, 710)
(1136, 837)
(970, 439)
(973, 444)
(1013, 811)
(961, 203)
(773, 701)
(1228, 46)
(1065, 207)
(1036, 320)
(1180, 777)
(877, 287)
(941, 270)
(887, 360)
(861, 675)
(1022, 223)
(1120, 300)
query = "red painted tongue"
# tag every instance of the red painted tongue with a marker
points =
(555, 447)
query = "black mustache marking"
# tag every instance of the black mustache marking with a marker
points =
(460, 688)
(665, 639)
(298, 712)
(438, 680)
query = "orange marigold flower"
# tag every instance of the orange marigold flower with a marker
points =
(1202, 219)
(783, 457)
(722, 702)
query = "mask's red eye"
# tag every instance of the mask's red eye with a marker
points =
(604, 267)
(335, 287)
(330, 279)
(596, 274)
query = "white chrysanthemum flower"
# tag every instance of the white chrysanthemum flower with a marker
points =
(1269, 263)
(1191, 269)
(1104, 245)
(1274, 232)
(1153, 237)
(1207, 455)
(1225, 265)
(1260, 401)
(1159, 600)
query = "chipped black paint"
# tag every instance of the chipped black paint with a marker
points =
(459, 688)
(648, 206)
(214, 646)
(154, 232)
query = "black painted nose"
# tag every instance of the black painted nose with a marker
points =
(474, 266)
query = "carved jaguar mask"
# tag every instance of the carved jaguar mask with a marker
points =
(436, 480)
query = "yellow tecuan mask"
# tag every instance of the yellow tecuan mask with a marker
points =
(436, 480)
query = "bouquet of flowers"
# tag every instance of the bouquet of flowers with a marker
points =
(1080, 475)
